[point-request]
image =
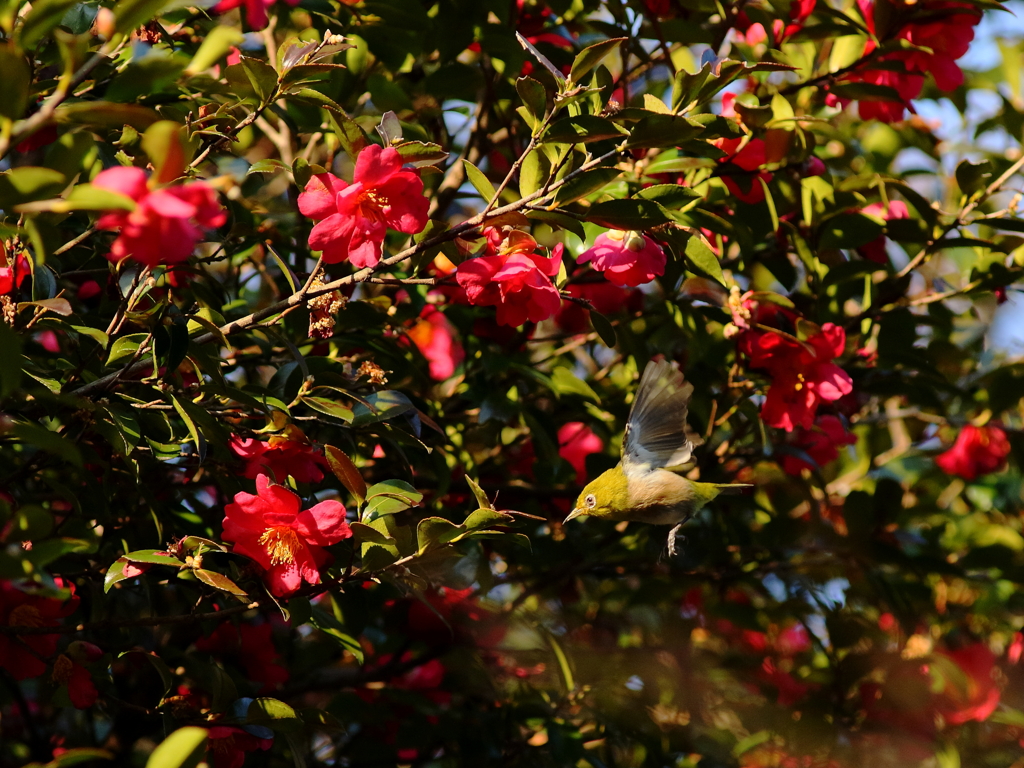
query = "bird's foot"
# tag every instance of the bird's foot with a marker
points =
(672, 540)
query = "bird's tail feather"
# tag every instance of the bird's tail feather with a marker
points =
(732, 489)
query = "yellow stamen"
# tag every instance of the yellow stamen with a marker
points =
(62, 669)
(799, 382)
(25, 616)
(281, 544)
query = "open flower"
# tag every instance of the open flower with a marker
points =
(272, 529)
(625, 258)
(352, 219)
(434, 336)
(741, 168)
(255, 10)
(803, 374)
(283, 455)
(875, 250)
(14, 274)
(68, 670)
(576, 441)
(166, 223)
(227, 745)
(977, 451)
(515, 279)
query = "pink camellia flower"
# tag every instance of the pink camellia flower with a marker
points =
(977, 451)
(255, 10)
(875, 250)
(625, 258)
(352, 219)
(283, 455)
(821, 444)
(434, 336)
(576, 441)
(166, 223)
(272, 529)
(514, 279)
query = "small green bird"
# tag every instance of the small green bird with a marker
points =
(644, 486)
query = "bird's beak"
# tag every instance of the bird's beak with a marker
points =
(575, 513)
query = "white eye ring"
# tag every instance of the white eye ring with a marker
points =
(590, 501)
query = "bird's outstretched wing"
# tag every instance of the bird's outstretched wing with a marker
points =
(656, 433)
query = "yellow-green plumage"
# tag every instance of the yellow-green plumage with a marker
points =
(644, 487)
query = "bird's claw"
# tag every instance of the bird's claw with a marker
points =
(672, 540)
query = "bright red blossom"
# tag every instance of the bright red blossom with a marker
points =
(576, 441)
(875, 250)
(803, 374)
(283, 455)
(741, 169)
(166, 223)
(625, 258)
(513, 278)
(14, 274)
(977, 451)
(352, 219)
(434, 336)
(255, 11)
(603, 296)
(287, 541)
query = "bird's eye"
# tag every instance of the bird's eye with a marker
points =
(590, 501)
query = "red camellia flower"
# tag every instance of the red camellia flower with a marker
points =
(13, 275)
(576, 441)
(820, 443)
(283, 455)
(287, 541)
(434, 336)
(166, 223)
(255, 11)
(803, 374)
(24, 656)
(603, 296)
(253, 648)
(975, 696)
(514, 279)
(68, 670)
(977, 451)
(741, 169)
(625, 258)
(352, 219)
(227, 745)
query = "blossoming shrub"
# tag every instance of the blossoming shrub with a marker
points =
(315, 317)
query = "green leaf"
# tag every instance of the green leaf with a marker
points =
(560, 220)
(633, 214)
(182, 749)
(534, 96)
(381, 406)
(420, 154)
(389, 497)
(434, 532)
(153, 557)
(542, 59)
(973, 177)
(582, 129)
(44, 17)
(534, 172)
(108, 114)
(83, 197)
(478, 493)
(591, 56)
(585, 184)
(129, 14)
(362, 532)
(114, 574)
(125, 346)
(658, 130)
(480, 182)
(328, 407)
(26, 183)
(671, 196)
(347, 472)
(15, 83)
(262, 76)
(849, 230)
(267, 166)
(273, 714)
(329, 625)
(565, 382)
(486, 518)
(219, 581)
(197, 437)
(216, 44)
(702, 257)
(604, 328)
(10, 353)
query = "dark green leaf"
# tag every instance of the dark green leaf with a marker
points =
(582, 129)
(627, 214)
(591, 56)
